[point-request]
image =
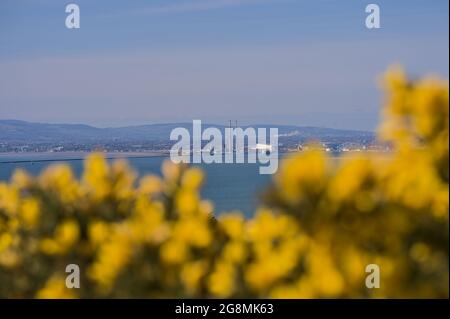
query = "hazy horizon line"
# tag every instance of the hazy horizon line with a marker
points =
(206, 123)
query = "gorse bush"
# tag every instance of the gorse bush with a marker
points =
(320, 223)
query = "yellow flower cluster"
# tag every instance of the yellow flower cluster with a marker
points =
(320, 224)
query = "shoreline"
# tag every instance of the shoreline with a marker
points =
(24, 157)
(13, 157)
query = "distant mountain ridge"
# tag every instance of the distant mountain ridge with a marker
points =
(30, 132)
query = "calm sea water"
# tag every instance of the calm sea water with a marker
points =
(229, 186)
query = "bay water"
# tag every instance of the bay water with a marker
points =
(228, 186)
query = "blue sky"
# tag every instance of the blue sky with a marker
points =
(305, 62)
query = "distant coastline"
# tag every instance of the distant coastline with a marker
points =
(154, 139)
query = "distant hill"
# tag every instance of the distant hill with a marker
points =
(28, 132)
